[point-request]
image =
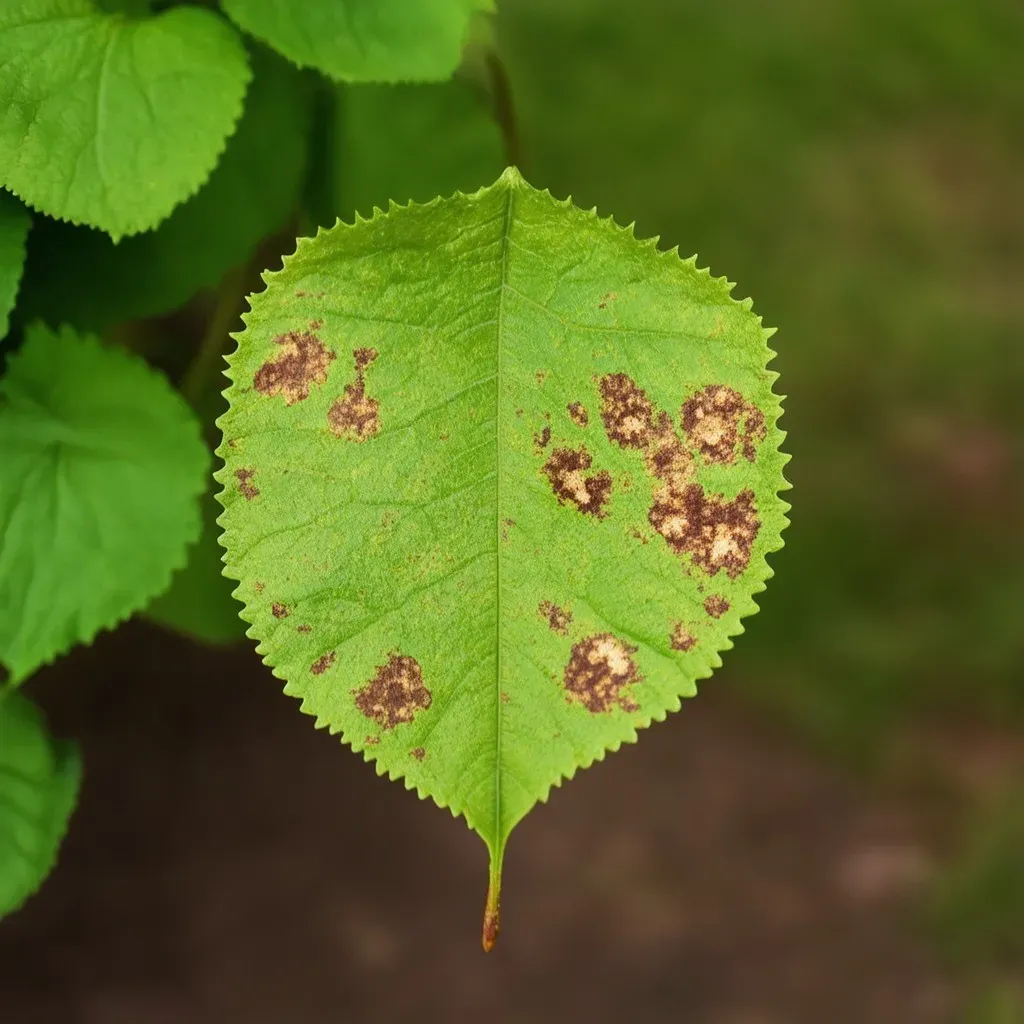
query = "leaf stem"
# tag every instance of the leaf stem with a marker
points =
(504, 109)
(492, 908)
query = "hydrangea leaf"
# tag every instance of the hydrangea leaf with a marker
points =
(77, 275)
(500, 482)
(14, 225)
(413, 142)
(363, 40)
(103, 464)
(39, 781)
(109, 120)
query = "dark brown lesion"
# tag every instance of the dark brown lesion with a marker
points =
(395, 694)
(542, 439)
(567, 470)
(600, 668)
(681, 639)
(302, 362)
(558, 619)
(578, 413)
(322, 664)
(718, 419)
(355, 416)
(418, 752)
(246, 487)
(716, 606)
(304, 628)
(279, 610)
(626, 411)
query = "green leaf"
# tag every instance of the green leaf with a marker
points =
(14, 224)
(363, 40)
(500, 482)
(111, 121)
(102, 468)
(39, 781)
(79, 276)
(413, 142)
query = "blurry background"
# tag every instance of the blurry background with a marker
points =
(834, 830)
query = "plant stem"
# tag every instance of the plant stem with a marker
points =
(504, 109)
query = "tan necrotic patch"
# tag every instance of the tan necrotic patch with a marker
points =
(716, 606)
(279, 610)
(718, 419)
(355, 416)
(395, 694)
(600, 668)
(322, 664)
(567, 471)
(681, 639)
(578, 414)
(558, 619)
(302, 362)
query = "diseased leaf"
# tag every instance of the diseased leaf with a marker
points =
(500, 482)
(14, 224)
(79, 276)
(102, 468)
(39, 780)
(109, 120)
(363, 40)
(413, 142)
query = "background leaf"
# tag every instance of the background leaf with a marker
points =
(500, 481)
(363, 40)
(78, 275)
(39, 781)
(111, 121)
(14, 224)
(99, 484)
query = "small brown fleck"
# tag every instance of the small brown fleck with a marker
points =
(301, 294)
(542, 439)
(372, 741)
(717, 534)
(444, 436)
(506, 525)
(279, 611)
(258, 587)
(682, 639)
(638, 535)
(302, 362)
(418, 752)
(245, 485)
(541, 375)
(315, 325)
(232, 443)
(395, 694)
(322, 664)
(599, 669)
(565, 470)
(364, 357)
(716, 606)
(505, 697)
(519, 412)
(304, 628)
(578, 414)
(712, 420)
(557, 618)
(609, 297)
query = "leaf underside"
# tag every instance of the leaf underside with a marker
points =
(39, 780)
(112, 121)
(499, 485)
(363, 40)
(102, 468)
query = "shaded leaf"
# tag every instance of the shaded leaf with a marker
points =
(14, 224)
(78, 275)
(500, 482)
(363, 40)
(102, 468)
(112, 121)
(39, 781)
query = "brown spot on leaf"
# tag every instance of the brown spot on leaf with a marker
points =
(372, 741)
(578, 414)
(718, 417)
(638, 535)
(506, 525)
(717, 534)
(322, 664)
(716, 606)
(541, 375)
(258, 587)
(301, 294)
(418, 752)
(279, 611)
(609, 297)
(626, 411)
(542, 439)
(599, 669)
(302, 362)
(315, 325)
(354, 416)
(505, 697)
(566, 469)
(682, 639)
(304, 628)
(245, 485)
(557, 618)
(395, 694)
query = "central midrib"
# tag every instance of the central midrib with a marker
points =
(499, 325)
